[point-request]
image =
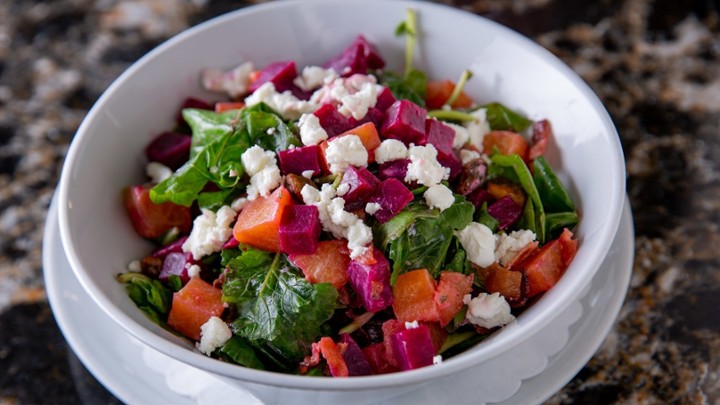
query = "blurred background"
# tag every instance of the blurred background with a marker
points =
(655, 64)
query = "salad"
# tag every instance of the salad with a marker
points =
(344, 219)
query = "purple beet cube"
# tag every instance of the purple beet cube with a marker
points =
(298, 160)
(394, 169)
(281, 74)
(331, 120)
(172, 247)
(393, 196)
(356, 58)
(300, 229)
(479, 196)
(231, 243)
(405, 122)
(361, 185)
(170, 149)
(373, 115)
(192, 102)
(413, 348)
(385, 99)
(177, 264)
(439, 135)
(371, 282)
(354, 357)
(451, 161)
(506, 211)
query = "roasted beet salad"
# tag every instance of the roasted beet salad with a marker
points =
(346, 219)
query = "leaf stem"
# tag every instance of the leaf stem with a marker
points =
(411, 28)
(464, 77)
(451, 115)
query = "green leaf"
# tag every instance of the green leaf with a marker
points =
(556, 221)
(384, 234)
(451, 115)
(486, 219)
(553, 194)
(412, 86)
(213, 200)
(208, 126)
(175, 282)
(151, 296)
(457, 259)
(239, 351)
(458, 215)
(259, 119)
(502, 118)
(426, 244)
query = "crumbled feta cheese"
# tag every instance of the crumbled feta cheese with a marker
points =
(488, 310)
(264, 173)
(353, 95)
(271, 131)
(412, 325)
(308, 174)
(311, 132)
(371, 208)
(343, 189)
(210, 231)
(344, 151)
(424, 167)
(358, 103)
(479, 128)
(193, 270)
(313, 77)
(234, 82)
(338, 215)
(213, 334)
(157, 172)
(255, 159)
(359, 236)
(239, 203)
(285, 103)
(439, 196)
(437, 359)
(134, 266)
(389, 150)
(461, 135)
(468, 155)
(509, 245)
(479, 243)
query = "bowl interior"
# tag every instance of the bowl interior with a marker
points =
(107, 152)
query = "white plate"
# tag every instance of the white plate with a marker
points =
(136, 373)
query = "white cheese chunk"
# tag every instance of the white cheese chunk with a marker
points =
(509, 245)
(210, 231)
(313, 77)
(479, 243)
(285, 103)
(344, 151)
(468, 155)
(157, 172)
(311, 132)
(478, 128)
(389, 150)
(213, 334)
(439, 196)
(235, 82)
(424, 167)
(371, 208)
(461, 135)
(488, 310)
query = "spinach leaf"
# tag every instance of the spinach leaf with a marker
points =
(556, 221)
(213, 200)
(457, 259)
(259, 119)
(412, 86)
(279, 313)
(553, 195)
(458, 215)
(385, 233)
(151, 296)
(207, 126)
(483, 217)
(239, 351)
(502, 118)
(424, 245)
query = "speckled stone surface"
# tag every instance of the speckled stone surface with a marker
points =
(654, 63)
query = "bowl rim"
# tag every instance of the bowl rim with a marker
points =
(232, 371)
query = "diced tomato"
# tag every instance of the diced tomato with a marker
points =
(258, 224)
(334, 358)
(510, 284)
(500, 189)
(414, 297)
(368, 135)
(506, 142)
(328, 264)
(223, 106)
(379, 359)
(194, 305)
(542, 132)
(544, 269)
(450, 292)
(438, 92)
(389, 328)
(529, 250)
(152, 220)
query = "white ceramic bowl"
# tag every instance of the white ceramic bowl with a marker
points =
(107, 154)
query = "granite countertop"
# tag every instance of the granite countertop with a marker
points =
(654, 63)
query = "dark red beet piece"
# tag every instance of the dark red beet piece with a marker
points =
(170, 149)
(384, 99)
(300, 229)
(373, 115)
(177, 264)
(394, 169)
(281, 74)
(413, 348)
(406, 122)
(331, 120)
(506, 211)
(439, 135)
(479, 196)
(172, 247)
(362, 184)
(354, 357)
(192, 102)
(298, 160)
(371, 282)
(451, 161)
(392, 196)
(356, 58)
(378, 359)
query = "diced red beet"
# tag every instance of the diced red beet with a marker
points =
(355, 359)
(192, 102)
(385, 99)
(374, 115)
(356, 58)
(479, 196)
(439, 135)
(371, 282)
(231, 243)
(389, 328)
(406, 122)
(451, 161)
(281, 74)
(300, 93)
(332, 121)
(378, 359)
(394, 169)
(298, 160)
(362, 183)
(506, 211)
(172, 247)
(300, 229)
(413, 348)
(177, 264)
(392, 196)
(170, 149)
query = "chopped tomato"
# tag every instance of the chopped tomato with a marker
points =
(223, 106)
(152, 220)
(450, 292)
(438, 92)
(544, 269)
(333, 356)
(258, 224)
(542, 132)
(328, 264)
(194, 305)
(506, 142)
(414, 297)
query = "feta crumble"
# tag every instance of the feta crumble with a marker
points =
(193, 270)
(311, 132)
(344, 151)
(255, 159)
(479, 243)
(479, 128)
(461, 135)
(313, 77)
(437, 359)
(372, 207)
(235, 82)
(389, 150)
(468, 155)
(134, 266)
(264, 173)
(439, 196)
(488, 310)
(412, 325)
(157, 172)
(210, 231)
(239, 203)
(285, 103)
(509, 245)
(343, 189)
(358, 103)
(424, 167)
(213, 334)
(308, 174)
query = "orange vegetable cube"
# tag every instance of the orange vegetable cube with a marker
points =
(509, 284)
(223, 106)
(258, 224)
(438, 92)
(414, 297)
(544, 269)
(194, 305)
(507, 142)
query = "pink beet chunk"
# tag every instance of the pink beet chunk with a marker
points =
(361, 185)
(170, 149)
(354, 357)
(451, 161)
(177, 264)
(479, 196)
(298, 160)
(356, 58)
(396, 169)
(374, 115)
(439, 135)
(413, 348)
(300, 229)
(405, 122)
(506, 211)
(371, 282)
(331, 120)
(172, 247)
(392, 196)
(385, 99)
(280, 74)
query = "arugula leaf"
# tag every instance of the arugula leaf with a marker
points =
(412, 86)
(279, 313)
(458, 215)
(502, 118)
(553, 194)
(151, 296)
(239, 351)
